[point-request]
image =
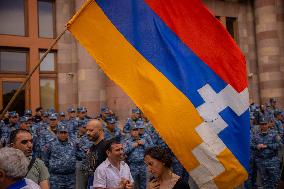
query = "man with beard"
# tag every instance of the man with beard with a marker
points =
(22, 139)
(96, 154)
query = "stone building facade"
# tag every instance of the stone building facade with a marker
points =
(256, 25)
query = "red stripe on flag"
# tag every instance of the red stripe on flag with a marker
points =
(205, 36)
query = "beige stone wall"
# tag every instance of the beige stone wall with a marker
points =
(66, 57)
(269, 37)
(80, 80)
(91, 80)
(280, 25)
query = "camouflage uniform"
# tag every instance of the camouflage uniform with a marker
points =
(83, 146)
(135, 159)
(128, 124)
(149, 127)
(39, 130)
(60, 158)
(105, 112)
(116, 133)
(278, 128)
(62, 114)
(34, 128)
(145, 136)
(46, 136)
(45, 116)
(72, 126)
(131, 121)
(267, 160)
(252, 173)
(2, 138)
(6, 131)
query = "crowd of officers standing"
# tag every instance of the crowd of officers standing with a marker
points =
(266, 146)
(62, 148)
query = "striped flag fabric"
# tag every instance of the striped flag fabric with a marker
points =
(184, 71)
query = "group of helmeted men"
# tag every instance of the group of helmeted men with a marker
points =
(266, 145)
(61, 141)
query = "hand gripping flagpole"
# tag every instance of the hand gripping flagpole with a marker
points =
(30, 74)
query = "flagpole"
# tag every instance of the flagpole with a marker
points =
(31, 73)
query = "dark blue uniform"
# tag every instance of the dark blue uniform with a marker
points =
(267, 159)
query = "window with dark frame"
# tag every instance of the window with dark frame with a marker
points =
(13, 60)
(13, 17)
(46, 18)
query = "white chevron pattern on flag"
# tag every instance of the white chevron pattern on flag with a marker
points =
(206, 153)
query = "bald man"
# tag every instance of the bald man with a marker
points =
(96, 154)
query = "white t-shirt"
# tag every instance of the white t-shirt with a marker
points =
(108, 176)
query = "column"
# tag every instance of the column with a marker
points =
(268, 51)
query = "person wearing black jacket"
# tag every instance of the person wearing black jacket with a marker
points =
(96, 155)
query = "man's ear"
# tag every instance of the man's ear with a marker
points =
(108, 152)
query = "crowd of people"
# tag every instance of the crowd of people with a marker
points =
(73, 150)
(266, 146)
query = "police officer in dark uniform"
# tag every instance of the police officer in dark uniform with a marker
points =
(266, 144)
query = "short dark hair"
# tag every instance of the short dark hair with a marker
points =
(160, 154)
(38, 109)
(14, 134)
(110, 142)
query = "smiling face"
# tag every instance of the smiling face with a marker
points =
(116, 152)
(154, 166)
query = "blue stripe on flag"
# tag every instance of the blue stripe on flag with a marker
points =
(168, 54)
(238, 128)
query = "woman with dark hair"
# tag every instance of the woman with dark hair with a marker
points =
(159, 164)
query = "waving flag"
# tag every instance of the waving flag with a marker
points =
(185, 72)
